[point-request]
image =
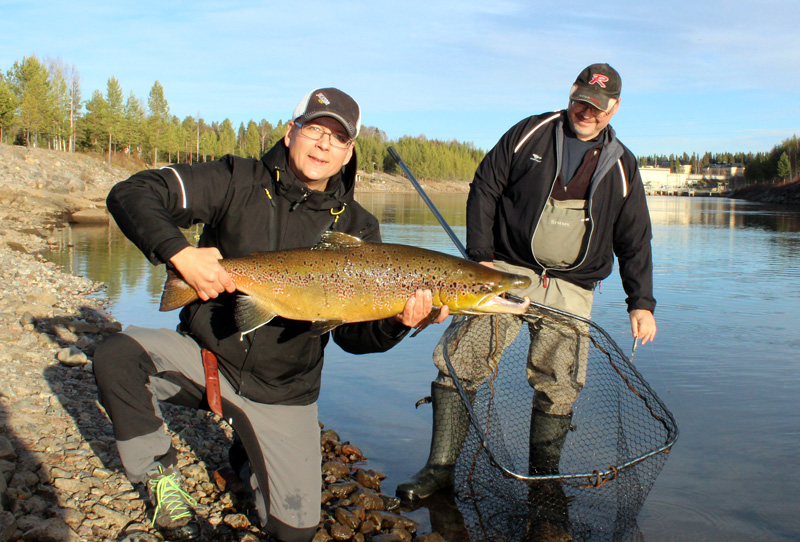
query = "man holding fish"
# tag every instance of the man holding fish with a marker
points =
(264, 379)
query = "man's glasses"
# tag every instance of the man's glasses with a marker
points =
(312, 131)
(583, 107)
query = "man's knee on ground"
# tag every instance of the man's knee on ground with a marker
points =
(117, 359)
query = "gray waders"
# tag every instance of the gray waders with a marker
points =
(450, 426)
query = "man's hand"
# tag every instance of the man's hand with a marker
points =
(418, 308)
(201, 270)
(643, 325)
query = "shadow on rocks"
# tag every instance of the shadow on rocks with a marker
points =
(42, 452)
(85, 466)
(71, 380)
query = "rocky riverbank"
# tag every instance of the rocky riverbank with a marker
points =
(61, 477)
(785, 194)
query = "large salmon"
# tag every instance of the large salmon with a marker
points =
(344, 279)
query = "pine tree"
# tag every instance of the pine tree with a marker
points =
(133, 127)
(209, 144)
(227, 138)
(115, 114)
(8, 109)
(275, 135)
(30, 83)
(253, 140)
(158, 119)
(784, 168)
(94, 123)
(191, 138)
(241, 141)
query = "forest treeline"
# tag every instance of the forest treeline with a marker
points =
(42, 104)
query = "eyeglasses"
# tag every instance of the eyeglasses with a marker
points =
(312, 131)
(583, 107)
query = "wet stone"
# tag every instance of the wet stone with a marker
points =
(335, 468)
(236, 521)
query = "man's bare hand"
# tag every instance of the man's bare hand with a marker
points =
(418, 308)
(201, 270)
(643, 325)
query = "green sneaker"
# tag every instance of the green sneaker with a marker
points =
(173, 515)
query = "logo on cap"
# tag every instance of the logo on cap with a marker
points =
(322, 99)
(600, 79)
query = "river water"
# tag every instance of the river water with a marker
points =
(725, 360)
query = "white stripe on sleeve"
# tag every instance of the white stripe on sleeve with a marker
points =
(180, 182)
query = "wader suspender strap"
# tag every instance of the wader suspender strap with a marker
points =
(213, 393)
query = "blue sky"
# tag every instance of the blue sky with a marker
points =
(697, 76)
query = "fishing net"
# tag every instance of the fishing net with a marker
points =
(566, 437)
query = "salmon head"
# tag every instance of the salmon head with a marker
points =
(477, 289)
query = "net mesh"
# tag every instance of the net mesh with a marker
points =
(566, 438)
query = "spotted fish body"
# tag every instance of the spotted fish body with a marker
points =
(344, 279)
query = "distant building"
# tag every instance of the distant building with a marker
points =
(725, 171)
(660, 178)
(682, 167)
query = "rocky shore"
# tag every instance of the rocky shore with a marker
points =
(61, 477)
(785, 194)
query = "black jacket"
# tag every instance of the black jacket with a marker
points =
(512, 185)
(247, 206)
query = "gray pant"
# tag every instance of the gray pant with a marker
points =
(288, 436)
(557, 355)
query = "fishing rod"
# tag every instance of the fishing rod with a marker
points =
(430, 204)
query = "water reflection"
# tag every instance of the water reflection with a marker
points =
(408, 208)
(723, 213)
(133, 285)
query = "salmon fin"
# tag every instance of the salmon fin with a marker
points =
(334, 240)
(177, 292)
(250, 315)
(428, 320)
(324, 326)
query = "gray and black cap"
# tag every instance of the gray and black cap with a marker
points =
(597, 85)
(330, 102)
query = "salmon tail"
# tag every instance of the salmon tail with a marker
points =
(177, 293)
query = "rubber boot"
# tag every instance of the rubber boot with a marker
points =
(549, 505)
(548, 433)
(450, 426)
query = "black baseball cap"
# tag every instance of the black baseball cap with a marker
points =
(330, 102)
(597, 85)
